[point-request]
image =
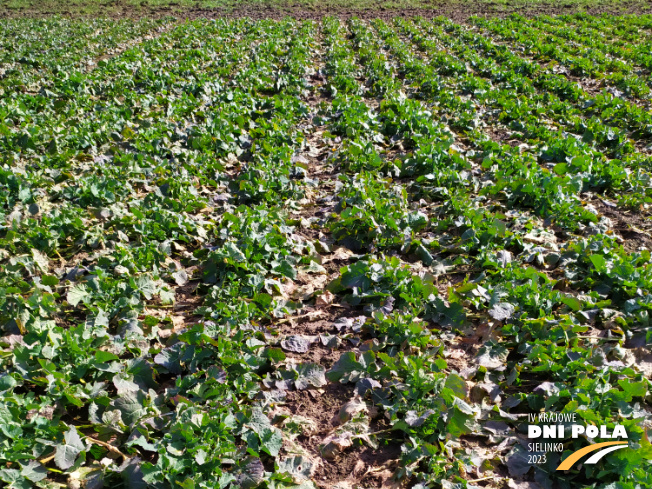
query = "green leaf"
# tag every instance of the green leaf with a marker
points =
(167, 296)
(460, 418)
(105, 356)
(572, 302)
(258, 421)
(633, 389)
(296, 344)
(250, 473)
(298, 467)
(235, 253)
(310, 374)
(599, 262)
(560, 168)
(448, 314)
(518, 462)
(271, 441)
(15, 479)
(66, 453)
(187, 484)
(77, 294)
(146, 286)
(201, 456)
(356, 276)
(34, 471)
(423, 254)
(276, 355)
(346, 365)
(6, 382)
(492, 355)
(124, 383)
(49, 280)
(457, 384)
(132, 474)
(40, 259)
(130, 406)
(286, 268)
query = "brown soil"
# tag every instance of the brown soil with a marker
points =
(358, 464)
(591, 86)
(321, 407)
(633, 227)
(501, 135)
(363, 465)
(318, 354)
(311, 327)
(187, 298)
(459, 12)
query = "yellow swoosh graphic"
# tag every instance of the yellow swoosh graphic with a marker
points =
(575, 456)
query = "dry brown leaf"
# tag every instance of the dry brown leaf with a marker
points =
(288, 289)
(335, 444)
(351, 408)
(325, 299)
(312, 283)
(178, 323)
(359, 467)
(644, 363)
(302, 293)
(388, 480)
(340, 253)
(512, 484)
